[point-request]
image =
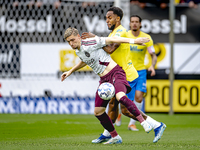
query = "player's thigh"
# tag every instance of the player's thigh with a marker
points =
(99, 102)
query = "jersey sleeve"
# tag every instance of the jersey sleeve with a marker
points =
(101, 41)
(150, 47)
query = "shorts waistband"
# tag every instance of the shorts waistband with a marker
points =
(111, 72)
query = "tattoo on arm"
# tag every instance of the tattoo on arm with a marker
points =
(154, 59)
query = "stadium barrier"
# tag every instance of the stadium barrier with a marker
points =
(33, 55)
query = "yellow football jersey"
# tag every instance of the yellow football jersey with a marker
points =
(138, 51)
(122, 54)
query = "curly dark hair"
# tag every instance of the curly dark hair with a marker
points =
(116, 10)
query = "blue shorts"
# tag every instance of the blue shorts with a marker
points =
(138, 84)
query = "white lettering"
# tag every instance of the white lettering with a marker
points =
(83, 107)
(75, 105)
(63, 107)
(6, 108)
(90, 26)
(183, 23)
(177, 26)
(10, 54)
(52, 107)
(23, 25)
(146, 26)
(97, 24)
(6, 58)
(91, 104)
(41, 26)
(11, 25)
(47, 106)
(30, 26)
(163, 26)
(41, 107)
(155, 26)
(100, 25)
(2, 23)
(27, 108)
(49, 24)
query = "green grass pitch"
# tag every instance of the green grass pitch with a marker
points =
(75, 132)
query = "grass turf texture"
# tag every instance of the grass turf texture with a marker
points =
(75, 132)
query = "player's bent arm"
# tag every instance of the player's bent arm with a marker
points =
(110, 40)
(80, 65)
(154, 59)
(111, 48)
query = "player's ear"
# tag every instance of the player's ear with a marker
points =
(118, 18)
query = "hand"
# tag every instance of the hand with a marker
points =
(86, 35)
(65, 75)
(141, 40)
(153, 72)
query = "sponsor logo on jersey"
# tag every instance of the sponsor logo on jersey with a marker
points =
(134, 48)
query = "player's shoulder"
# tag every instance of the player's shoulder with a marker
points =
(121, 29)
(144, 34)
(129, 32)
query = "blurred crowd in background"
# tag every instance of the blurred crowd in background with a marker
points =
(164, 3)
(142, 3)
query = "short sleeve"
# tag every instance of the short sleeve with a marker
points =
(101, 41)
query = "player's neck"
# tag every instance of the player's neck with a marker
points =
(136, 33)
(79, 46)
(116, 26)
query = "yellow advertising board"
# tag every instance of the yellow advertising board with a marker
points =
(186, 96)
(68, 59)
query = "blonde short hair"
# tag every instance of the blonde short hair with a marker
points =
(70, 31)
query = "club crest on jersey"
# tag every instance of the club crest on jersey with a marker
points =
(87, 54)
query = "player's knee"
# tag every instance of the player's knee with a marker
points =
(98, 111)
(138, 99)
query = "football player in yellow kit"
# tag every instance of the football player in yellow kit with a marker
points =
(137, 56)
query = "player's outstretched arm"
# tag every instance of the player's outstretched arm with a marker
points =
(111, 48)
(66, 74)
(110, 40)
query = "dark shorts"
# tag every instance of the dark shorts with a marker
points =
(117, 77)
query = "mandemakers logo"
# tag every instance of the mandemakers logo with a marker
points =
(157, 26)
(23, 25)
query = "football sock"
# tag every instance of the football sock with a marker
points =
(132, 121)
(106, 122)
(131, 108)
(139, 105)
(113, 133)
(106, 133)
(152, 122)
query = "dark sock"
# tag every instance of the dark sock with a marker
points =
(106, 122)
(132, 108)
